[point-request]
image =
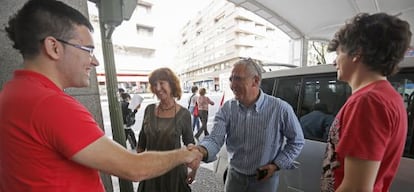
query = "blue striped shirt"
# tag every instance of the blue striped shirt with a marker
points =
(255, 136)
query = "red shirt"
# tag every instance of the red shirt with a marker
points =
(372, 125)
(41, 128)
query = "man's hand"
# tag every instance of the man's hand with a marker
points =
(194, 157)
(201, 149)
(271, 169)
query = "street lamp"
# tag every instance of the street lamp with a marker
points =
(111, 14)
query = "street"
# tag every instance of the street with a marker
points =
(148, 99)
(206, 180)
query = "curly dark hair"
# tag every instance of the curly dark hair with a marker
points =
(39, 19)
(166, 74)
(380, 39)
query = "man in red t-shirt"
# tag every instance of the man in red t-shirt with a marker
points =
(48, 140)
(367, 137)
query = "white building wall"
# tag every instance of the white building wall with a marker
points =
(134, 50)
(219, 35)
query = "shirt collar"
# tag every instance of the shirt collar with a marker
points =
(35, 76)
(258, 104)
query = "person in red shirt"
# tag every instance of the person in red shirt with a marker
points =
(48, 140)
(366, 139)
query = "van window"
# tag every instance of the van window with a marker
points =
(322, 98)
(288, 90)
(267, 85)
(324, 90)
(404, 84)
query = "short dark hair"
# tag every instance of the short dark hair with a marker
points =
(194, 89)
(380, 39)
(39, 19)
(166, 74)
(125, 96)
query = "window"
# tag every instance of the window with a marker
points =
(288, 90)
(199, 31)
(322, 98)
(219, 17)
(267, 85)
(143, 9)
(404, 84)
(324, 90)
(143, 30)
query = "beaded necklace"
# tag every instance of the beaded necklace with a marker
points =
(157, 115)
(166, 109)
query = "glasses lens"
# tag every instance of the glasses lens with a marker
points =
(91, 52)
(81, 47)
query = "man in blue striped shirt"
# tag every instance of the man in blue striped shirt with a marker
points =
(254, 126)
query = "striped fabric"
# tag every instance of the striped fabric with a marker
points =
(255, 136)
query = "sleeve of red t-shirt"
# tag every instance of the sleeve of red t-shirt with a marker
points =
(65, 125)
(364, 130)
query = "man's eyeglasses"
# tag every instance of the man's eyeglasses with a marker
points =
(235, 78)
(81, 47)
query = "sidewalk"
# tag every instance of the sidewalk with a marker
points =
(205, 181)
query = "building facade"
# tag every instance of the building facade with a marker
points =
(219, 36)
(134, 45)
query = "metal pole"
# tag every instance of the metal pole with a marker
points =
(112, 89)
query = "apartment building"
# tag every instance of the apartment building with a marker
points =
(219, 36)
(135, 45)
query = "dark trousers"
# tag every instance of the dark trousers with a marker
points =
(130, 136)
(203, 114)
(238, 182)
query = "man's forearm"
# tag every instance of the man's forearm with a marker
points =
(152, 164)
(110, 157)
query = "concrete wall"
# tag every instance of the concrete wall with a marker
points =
(10, 60)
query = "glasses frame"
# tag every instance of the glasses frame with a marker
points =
(81, 47)
(248, 61)
(235, 78)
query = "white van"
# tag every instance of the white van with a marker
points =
(305, 86)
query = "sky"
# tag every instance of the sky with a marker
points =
(177, 12)
(172, 15)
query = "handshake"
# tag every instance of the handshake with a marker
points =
(193, 156)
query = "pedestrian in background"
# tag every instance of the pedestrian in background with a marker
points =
(48, 140)
(366, 140)
(192, 102)
(203, 102)
(261, 132)
(164, 127)
(128, 117)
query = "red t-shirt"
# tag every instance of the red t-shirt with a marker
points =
(41, 128)
(372, 125)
